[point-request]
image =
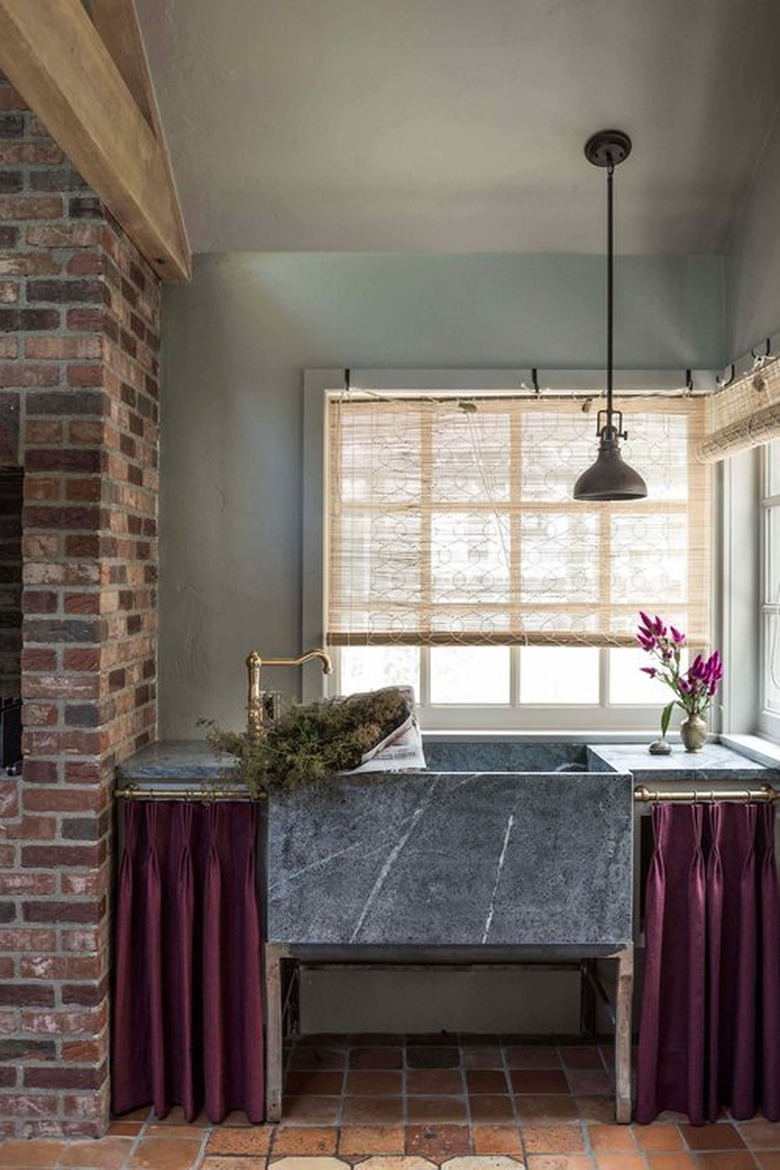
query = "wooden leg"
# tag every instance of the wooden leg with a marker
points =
(625, 987)
(273, 1033)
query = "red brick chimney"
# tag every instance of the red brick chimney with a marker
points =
(79, 346)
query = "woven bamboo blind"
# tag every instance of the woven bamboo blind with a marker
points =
(745, 414)
(453, 523)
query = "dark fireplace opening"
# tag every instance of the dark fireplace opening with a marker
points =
(11, 502)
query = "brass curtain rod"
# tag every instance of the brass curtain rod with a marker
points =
(766, 793)
(205, 795)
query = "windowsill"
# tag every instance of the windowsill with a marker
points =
(518, 736)
(755, 747)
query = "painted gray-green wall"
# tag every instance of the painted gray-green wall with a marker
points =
(237, 340)
(752, 260)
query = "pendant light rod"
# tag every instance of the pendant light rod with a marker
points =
(609, 478)
(610, 284)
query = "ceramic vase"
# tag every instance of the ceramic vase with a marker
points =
(693, 732)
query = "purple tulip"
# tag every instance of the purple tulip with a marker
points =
(677, 637)
(651, 670)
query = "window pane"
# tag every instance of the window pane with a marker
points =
(772, 465)
(627, 683)
(470, 674)
(469, 557)
(772, 663)
(367, 668)
(559, 557)
(559, 674)
(772, 572)
(649, 559)
(470, 455)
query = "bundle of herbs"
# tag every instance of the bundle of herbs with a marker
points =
(312, 741)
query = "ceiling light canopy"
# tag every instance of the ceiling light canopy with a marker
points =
(610, 477)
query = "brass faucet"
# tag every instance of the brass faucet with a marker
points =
(263, 706)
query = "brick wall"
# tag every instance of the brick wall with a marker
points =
(79, 341)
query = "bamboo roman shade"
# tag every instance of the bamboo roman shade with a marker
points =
(452, 521)
(744, 414)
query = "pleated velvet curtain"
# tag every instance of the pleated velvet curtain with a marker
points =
(710, 1022)
(187, 1024)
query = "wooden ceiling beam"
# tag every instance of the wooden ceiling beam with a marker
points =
(55, 57)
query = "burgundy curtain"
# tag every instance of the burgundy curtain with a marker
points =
(188, 1027)
(709, 1034)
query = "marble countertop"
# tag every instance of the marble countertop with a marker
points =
(175, 761)
(183, 761)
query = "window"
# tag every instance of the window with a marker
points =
(457, 561)
(770, 589)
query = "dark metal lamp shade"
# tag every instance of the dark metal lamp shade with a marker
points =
(610, 478)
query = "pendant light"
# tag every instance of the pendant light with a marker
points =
(609, 478)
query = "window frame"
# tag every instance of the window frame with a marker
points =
(598, 719)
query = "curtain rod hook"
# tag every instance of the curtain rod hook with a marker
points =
(535, 379)
(724, 382)
(346, 380)
(689, 383)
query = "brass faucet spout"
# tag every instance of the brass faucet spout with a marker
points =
(256, 706)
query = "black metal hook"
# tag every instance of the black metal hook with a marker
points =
(689, 382)
(535, 379)
(346, 380)
(723, 383)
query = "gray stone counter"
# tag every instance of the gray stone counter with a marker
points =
(175, 762)
(448, 859)
(714, 764)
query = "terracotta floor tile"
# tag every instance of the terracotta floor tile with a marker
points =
(620, 1161)
(142, 1114)
(612, 1137)
(434, 1081)
(659, 1136)
(330, 1039)
(727, 1160)
(240, 1141)
(315, 1082)
(125, 1128)
(531, 1057)
(374, 1082)
(165, 1153)
(595, 1109)
(560, 1162)
(232, 1162)
(589, 1082)
(32, 1153)
(189, 1133)
(489, 1107)
(432, 1057)
(585, 1057)
(175, 1116)
(293, 1139)
(482, 1058)
(673, 1160)
(496, 1139)
(721, 1136)
(372, 1111)
(317, 1058)
(378, 1057)
(109, 1153)
(436, 1109)
(438, 1141)
(371, 1139)
(538, 1081)
(546, 1109)
(768, 1159)
(482, 1080)
(760, 1134)
(553, 1139)
(375, 1039)
(311, 1110)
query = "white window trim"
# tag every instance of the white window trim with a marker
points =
(640, 722)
